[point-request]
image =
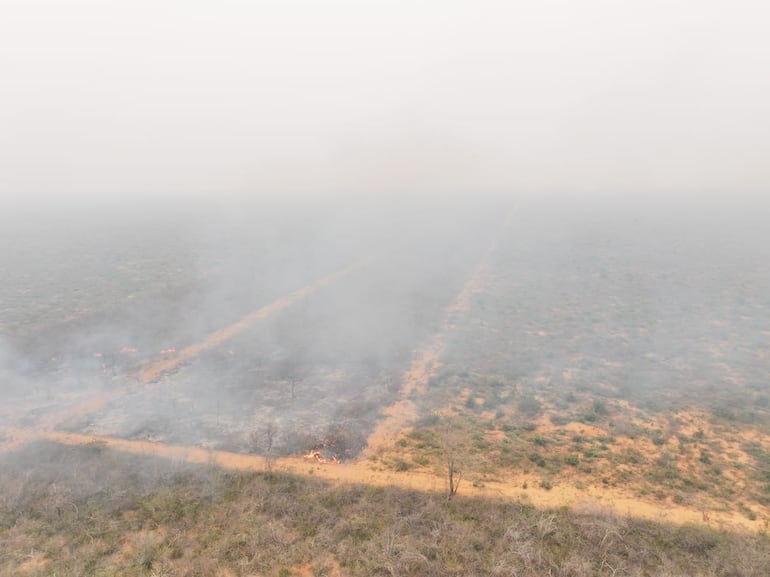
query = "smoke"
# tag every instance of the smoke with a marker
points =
(306, 100)
(176, 175)
(300, 315)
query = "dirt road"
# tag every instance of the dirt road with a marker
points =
(79, 408)
(370, 473)
(157, 369)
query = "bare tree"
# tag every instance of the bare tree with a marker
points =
(262, 440)
(454, 446)
(453, 476)
(270, 430)
(292, 371)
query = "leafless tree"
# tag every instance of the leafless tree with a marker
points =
(292, 371)
(453, 476)
(270, 430)
(262, 440)
(454, 445)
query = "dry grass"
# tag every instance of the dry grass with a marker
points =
(160, 518)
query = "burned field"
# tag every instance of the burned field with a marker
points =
(316, 366)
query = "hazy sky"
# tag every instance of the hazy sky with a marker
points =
(319, 97)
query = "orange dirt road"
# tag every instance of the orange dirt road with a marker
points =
(154, 371)
(157, 369)
(403, 413)
(367, 473)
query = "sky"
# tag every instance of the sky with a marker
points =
(229, 98)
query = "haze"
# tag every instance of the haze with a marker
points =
(275, 276)
(240, 99)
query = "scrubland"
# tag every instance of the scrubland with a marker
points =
(596, 386)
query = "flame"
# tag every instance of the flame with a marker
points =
(128, 350)
(317, 456)
(168, 351)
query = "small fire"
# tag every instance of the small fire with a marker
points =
(169, 351)
(129, 350)
(98, 355)
(318, 457)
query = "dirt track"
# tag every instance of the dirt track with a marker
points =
(365, 472)
(403, 413)
(154, 371)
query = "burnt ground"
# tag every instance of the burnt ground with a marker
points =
(318, 371)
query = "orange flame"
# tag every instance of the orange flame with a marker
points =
(318, 457)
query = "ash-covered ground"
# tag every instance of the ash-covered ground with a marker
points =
(97, 298)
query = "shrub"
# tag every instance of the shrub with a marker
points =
(540, 440)
(529, 405)
(538, 459)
